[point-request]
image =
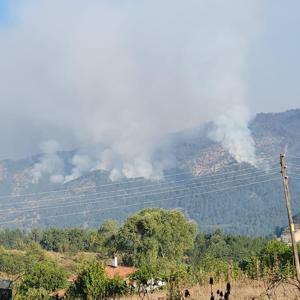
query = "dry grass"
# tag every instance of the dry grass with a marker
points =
(246, 290)
(71, 261)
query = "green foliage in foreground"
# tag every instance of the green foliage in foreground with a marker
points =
(45, 274)
(34, 274)
(162, 244)
(92, 283)
(275, 257)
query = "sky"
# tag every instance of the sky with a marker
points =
(274, 59)
(3, 9)
(125, 73)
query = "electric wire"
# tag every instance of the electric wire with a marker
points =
(176, 189)
(196, 179)
(124, 182)
(137, 204)
(172, 186)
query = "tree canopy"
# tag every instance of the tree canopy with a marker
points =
(154, 233)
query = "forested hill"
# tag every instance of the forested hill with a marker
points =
(204, 181)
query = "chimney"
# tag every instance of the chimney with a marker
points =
(115, 262)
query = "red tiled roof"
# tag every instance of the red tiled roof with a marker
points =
(59, 294)
(110, 272)
(123, 272)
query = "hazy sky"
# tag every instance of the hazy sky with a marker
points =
(126, 72)
(274, 62)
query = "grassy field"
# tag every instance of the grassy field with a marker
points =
(246, 290)
(241, 290)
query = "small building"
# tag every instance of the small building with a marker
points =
(111, 271)
(114, 269)
(6, 289)
(286, 235)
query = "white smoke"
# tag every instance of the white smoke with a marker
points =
(231, 130)
(139, 168)
(50, 164)
(81, 165)
(121, 74)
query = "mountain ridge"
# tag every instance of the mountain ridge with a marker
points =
(257, 209)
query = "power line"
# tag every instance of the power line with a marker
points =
(134, 180)
(123, 182)
(93, 201)
(168, 188)
(123, 197)
(140, 203)
(198, 180)
(118, 183)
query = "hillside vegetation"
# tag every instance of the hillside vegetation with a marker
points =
(203, 180)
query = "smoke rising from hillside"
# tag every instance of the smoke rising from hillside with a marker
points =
(50, 164)
(231, 130)
(122, 74)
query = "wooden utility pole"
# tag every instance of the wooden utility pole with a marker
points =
(289, 212)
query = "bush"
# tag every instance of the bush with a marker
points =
(43, 275)
(277, 255)
(116, 287)
(217, 268)
(91, 282)
(34, 294)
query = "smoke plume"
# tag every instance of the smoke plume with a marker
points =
(231, 130)
(50, 164)
(122, 75)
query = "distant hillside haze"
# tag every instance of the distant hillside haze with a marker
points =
(201, 178)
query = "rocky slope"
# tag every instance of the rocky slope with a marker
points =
(206, 183)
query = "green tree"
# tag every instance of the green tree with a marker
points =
(217, 268)
(177, 279)
(12, 263)
(43, 275)
(103, 240)
(13, 239)
(218, 246)
(91, 283)
(116, 287)
(53, 239)
(225, 247)
(33, 294)
(155, 233)
(277, 255)
(77, 240)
